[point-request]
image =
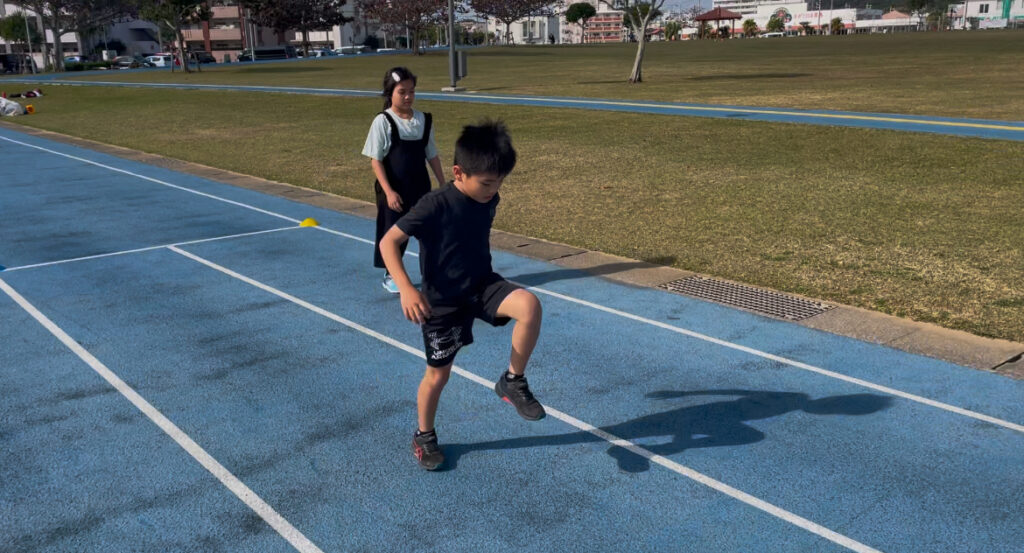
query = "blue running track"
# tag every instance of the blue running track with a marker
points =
(185, 368)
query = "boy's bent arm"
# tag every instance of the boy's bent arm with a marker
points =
(414, 305)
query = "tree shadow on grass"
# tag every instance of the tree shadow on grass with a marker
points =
(716, 424)
(270, 69)
(750, 76)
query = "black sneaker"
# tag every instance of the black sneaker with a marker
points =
(426, 450)
(517, 392)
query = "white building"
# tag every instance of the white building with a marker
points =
(987, 14)
(532, 30)
(137, 36)
(795, 14)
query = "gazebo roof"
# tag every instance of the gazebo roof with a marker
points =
(718, 14)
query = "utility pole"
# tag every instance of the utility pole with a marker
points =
(28, 40)
(831, 15)
(453, 64)
(453, 68)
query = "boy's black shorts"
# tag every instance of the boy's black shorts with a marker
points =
(449, 328)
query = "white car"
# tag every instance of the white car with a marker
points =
(160, 60)
(350, 50)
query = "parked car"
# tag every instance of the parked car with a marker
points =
(203, 57)
(160, 60)
(350, 50)
(321, 53)
(775, 34)
(130, 62)
(267, 53)
(74, 59)
(14, 63)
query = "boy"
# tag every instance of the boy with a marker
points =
(453, 225)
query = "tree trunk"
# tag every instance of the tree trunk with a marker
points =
(58, 45)
(42, 42)
(181, 47)
(637, 75)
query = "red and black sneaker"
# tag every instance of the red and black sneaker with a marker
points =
(517, 392)
(426, 450)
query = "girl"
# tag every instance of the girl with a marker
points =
(400, 144)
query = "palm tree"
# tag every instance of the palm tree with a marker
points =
(749, 27)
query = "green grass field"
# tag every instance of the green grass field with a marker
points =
(922, 226)
(912, 73)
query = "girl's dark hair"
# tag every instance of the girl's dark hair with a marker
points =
(390, 82)
(485, 148)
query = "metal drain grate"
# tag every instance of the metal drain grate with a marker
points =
(747, 297)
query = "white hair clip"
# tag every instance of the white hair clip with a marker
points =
(396, 76)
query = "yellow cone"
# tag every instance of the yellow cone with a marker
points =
(310, 222)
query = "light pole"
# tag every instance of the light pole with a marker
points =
(453, 67)
(28, 40)
(831, 15)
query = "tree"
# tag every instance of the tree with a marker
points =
(776, 25)
(415, 15)
(918, 7)
(749, 27)
(637, 15)
(299, 15)
(510, 11)
(836, 26)
(580, 13)
(672, 29)
(12, 29)
(174, 14)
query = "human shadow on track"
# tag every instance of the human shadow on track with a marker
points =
(721, 423)
(544, 277)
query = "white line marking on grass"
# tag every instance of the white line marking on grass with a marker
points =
(683, 470)
(151, 179)
(570, 102)
(778, 512)
(138, 250)
(230, 481)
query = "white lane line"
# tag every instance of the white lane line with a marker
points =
(151, 179)
(146, 249)
(692, 334)
(683, 470)
(790, 362)
(796, 364)
(230, 481)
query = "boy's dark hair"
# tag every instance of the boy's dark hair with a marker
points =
(485, 148)
(394, 76)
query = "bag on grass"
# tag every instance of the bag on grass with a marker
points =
(10, 108)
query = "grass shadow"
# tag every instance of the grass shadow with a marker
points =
(750, 76)
(278, 69)
(715, 424)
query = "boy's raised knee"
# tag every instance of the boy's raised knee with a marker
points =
(521, 305)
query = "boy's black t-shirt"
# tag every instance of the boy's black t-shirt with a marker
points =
(454, 235)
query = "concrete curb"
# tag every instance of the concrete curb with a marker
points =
(1000, 356)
